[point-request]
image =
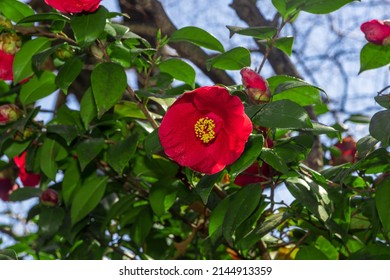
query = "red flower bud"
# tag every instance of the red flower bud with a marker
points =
(256, 87)
(10, 43)
(7, 186)
(377, 31)
(347, 150)
(74, 6)
(9, 113)
(49, 198)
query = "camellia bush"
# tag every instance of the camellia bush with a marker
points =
(167, 168)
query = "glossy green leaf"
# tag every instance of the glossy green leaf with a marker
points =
(310, 253)
(40, 59)
(22, 66)
(162, 196)
(380, 126)
(24, 194)
(88, 110)
(88, 150)
(119, 154)
(129, 109)
(109, 82)
(206, 185)
(142, 226)
(285, 44)
(71, 182)
(273, 159)
(251, 152)
(279, 114)
(197, 36)
(179, 69)
(318, 6)
(87, 27)
(50, 220)
(87, 197)
(152, 143)
(382, 195)
(217, 218)
(383, 100)
(15, 10)
(234, 59)
(38, 87)
(68, 73)
(241, 206)
(45, 17)
(66, 132)
(294, 89)
(374, 56)
(51, 152)
(366, 145)
(258, 32)
(7, 254)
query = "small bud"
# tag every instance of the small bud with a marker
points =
(5, 23)
(256, 87)
(97, 52)
(10, 43)
(49, 198)
(377, 31)
(9, 113)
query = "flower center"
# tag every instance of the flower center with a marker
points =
(204, 129)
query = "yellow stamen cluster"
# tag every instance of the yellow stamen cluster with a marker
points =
(204, 129)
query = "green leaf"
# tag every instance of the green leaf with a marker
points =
(206, 185)
(22, 66)
(51, 152)
(294, 89)
(358, 118)
(88, 150)
(179, 69)
(251, 152)
(274, 160)
(24, 194)
(15, 10)
(109, 82)
(380, 126)
(68, 73)
(71, 182)
(87, 197)
(197, 36)
(88, 110)
(318, 6)
(258, 32)
(66, 132)
(38, 87)
(280, 114)
(45, 17)
(374, 56)
(142, 226)
(88, 27)
(7, 254)
(382, 195)
(285, 44)
(314, 197)
(152, 143)
(40, 58)
(234, 59)
(217, 218)
(119, 154)
(162, 196)
(241, 206)
(383, 100)
(310, 253)
(50, 220)
(319, 128)
(366, 145)
(129, 109)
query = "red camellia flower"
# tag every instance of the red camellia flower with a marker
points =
(28, 179)
(74, 6)
(205, 129)
(256, 87)
(377, 31)
(6, 62)
(347, 151)
(6, 188)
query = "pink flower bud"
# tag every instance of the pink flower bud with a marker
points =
(377, 31)
(256, 87)
(9, 113)
(10, 43)
(49, 198)
(74, 6)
